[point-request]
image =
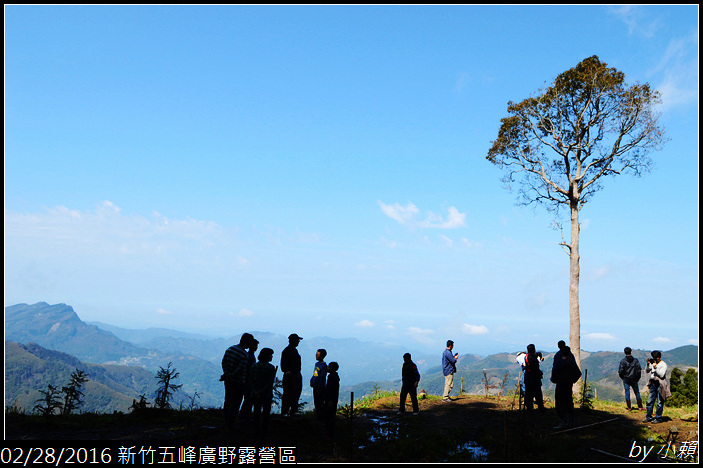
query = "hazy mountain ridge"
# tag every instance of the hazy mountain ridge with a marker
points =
(30, 368)
(58, 328)
(363, 366)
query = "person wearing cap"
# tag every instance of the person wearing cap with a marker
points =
(292, 377)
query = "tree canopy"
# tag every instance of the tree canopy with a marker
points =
(589, 124)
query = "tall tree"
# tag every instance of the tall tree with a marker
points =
(562, 143)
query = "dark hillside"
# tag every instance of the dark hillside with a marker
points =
(469, 429)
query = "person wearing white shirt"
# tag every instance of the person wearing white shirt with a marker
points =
(658, 387)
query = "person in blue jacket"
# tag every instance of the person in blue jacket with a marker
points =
(448, 369)
(317, 382)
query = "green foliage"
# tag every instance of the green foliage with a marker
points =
(370, 401)
(166, 389)
(590, 122)
(684, 388)
(587, 396)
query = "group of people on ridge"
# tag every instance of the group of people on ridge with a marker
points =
(249, 384)
(565, 373)
(253, 382)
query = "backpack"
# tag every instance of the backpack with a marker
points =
(638, 370)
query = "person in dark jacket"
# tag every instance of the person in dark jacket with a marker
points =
(630, 371)
(410, 381)
(331, 398)
(234, 370)
(565, 373)
(263, 375)
(292, 378)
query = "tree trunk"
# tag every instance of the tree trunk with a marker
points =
(575, 272)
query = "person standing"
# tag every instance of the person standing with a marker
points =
(565, 373)
(630, 371)
(658, 387)
(245, 410)
(520, 359)
(317, 382)
(533, 380)
(263, 375)
(234, 364)
(449, 361)
(292, 378)
(331, 399)
(410, 381)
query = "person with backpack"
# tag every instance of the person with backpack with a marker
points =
(410, 381)
(533, 380)
(630, 371)
(565, 373)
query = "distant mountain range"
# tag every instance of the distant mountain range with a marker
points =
(45, 343)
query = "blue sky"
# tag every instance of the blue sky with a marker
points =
(322, 170)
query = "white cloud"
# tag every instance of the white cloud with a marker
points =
(106, 234)
(364, 324)
(661, 339)
(446, 241)
(468, 243)
(407, 216)
(245, 313)
(163, 312)
(469, 329)
(421, 335)
(455, 220)
(678, 71)
(403, 214)
(637, 19)
(599, 336)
